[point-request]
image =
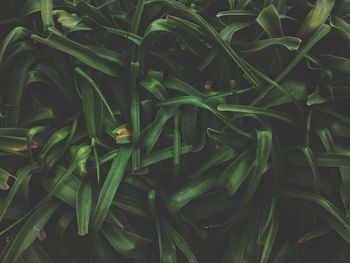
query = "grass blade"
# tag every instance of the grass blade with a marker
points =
(257, 111)
(110, 187)
(30, 231)
(20, 177)
(46, 14)
(80, 52)
(83, 205)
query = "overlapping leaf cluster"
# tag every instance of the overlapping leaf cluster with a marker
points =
(175, 131)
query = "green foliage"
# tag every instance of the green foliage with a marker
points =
(174, 131)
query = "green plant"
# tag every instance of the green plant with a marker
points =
(174, 131)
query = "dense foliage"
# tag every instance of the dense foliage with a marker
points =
(174, 131)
